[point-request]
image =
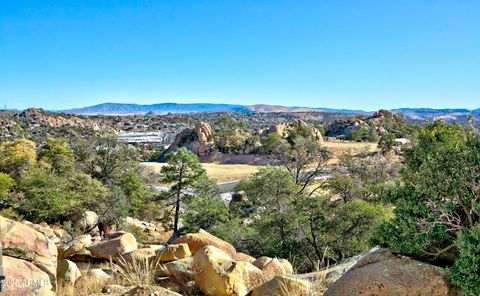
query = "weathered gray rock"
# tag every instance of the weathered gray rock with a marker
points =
(383, 273)
(23, 242)
(68, 272)
(119, 244)
(24, 278)
(89, 221)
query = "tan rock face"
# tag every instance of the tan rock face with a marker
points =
(140, 255)
(260, 262)
(55, 234)
(287, 266)
(23, 242)
(204, 132)
(67, 271)
(74, 246)
(239, 256)
(283, 286)
(215, 273)
(274, 267)
(89, 220)
(119, 244)
(24, 278)
(154, 233)
(181, 271)
(174, 252)
(382, 273)
(196, 241)
(199, 139)
(144, 290)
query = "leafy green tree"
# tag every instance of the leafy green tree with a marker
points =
(352, 226)
(51, 198)
(465, 272)
(6, 184)
(366, 176)
(104, 158)
(116, 166)
(230, 136)
(55, 153)
(182, 171)
(17, 156)
(274, 191)
(134, 191)
(205, 212)
(301, 155)
(339, 231)
(439, 194)
(386, 143)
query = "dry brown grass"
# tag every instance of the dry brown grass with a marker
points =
(83, 287)
(136, 271)
(339, 148)
(319, 285)
(220, 173)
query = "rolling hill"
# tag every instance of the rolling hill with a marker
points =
(427, 114)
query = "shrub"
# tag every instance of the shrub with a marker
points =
(52, 198)
(17, 156)
(205, 212)
(465, 272)
(437, 196)
(6, 183)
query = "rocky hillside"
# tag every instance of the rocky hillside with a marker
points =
(370, 128)
(148, 263)
(37, 124)
(201, 141)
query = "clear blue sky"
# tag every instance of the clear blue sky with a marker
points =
(362, 54)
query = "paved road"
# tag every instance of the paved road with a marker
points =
(228, 186)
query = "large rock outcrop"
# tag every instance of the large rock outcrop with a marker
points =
(283, 286)
(285, 130)
(216, 274)
(74, 246)
(117, 245)
(382, 273)
(23, 242)
(24, 278)
(196, 241)
(68, 272)
(174, 252)
(198, 140)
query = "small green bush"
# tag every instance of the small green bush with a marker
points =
(465, 272)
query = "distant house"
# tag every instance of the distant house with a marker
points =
(401, 141)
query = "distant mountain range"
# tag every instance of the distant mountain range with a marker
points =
(163, 108)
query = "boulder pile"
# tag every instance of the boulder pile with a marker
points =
(29, 260)
(193, 264)
(284, 130)
(198, 140)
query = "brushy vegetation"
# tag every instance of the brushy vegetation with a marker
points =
(56, 182)
(437, 203)
(428, 209)
(290, 211)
